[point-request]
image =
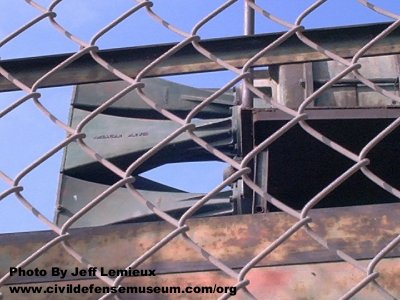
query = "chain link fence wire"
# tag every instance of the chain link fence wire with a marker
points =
(31, 94)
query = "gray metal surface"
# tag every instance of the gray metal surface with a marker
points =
(125, 131)
(121, 207)
(122, 140)
(177, 98)
(294, 82)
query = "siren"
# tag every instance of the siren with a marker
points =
(123, 133)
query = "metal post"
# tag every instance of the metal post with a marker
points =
(249, 29)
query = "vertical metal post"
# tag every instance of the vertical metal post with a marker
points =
(249, 29)
(261, 179)
(246, 139)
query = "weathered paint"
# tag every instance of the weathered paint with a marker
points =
(306, 281)
(359, 231)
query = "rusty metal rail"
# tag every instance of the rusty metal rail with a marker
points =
(345, 41)
(238, 55)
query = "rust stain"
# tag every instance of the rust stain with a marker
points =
(236, 240)
(269, 281)
(309, 281)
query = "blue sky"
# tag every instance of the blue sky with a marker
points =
(26, 133)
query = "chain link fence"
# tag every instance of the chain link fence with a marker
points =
(240, 169)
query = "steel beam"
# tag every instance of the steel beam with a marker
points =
(360, 231)
(328, 113)
(345, 41)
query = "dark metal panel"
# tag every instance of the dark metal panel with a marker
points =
(314, 165)
(360, 231)
(345, 41)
